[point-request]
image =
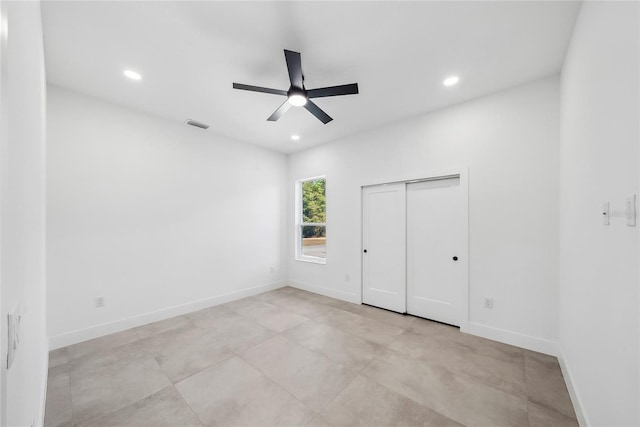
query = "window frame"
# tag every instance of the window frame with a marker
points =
(299, 222)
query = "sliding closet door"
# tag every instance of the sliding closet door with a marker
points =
(384, 257)
(436, 250)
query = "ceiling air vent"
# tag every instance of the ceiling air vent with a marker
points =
(197, 124)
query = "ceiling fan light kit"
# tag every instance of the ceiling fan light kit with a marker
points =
(297, 98)
(298, 95)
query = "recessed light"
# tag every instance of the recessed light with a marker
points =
(450, 81)
(295, 137)
(132, 75)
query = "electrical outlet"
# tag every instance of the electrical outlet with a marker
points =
(488, 303)
(99, 302)
(272, 270)
(347, 277)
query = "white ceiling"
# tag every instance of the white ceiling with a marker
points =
(190, 53)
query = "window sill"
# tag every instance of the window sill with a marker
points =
(312, 260)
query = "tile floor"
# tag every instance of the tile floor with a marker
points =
(293, 358)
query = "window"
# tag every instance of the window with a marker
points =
(311, 214)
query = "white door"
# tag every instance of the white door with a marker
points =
(383, 257)
(436, 249)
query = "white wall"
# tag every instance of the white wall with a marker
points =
(510, 142)
(599, 264)
(22, 214)
(158, 217)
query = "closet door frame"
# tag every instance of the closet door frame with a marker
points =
(463, 174)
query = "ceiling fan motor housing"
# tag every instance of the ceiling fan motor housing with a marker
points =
(296, 91)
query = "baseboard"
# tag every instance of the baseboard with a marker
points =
(327, 292)
(85, 334)
(529, 342)
(573, 391)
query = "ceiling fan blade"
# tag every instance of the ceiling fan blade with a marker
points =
(317, 111)
(294, 65)
(280, 111)
(259, 89)
(351, 89)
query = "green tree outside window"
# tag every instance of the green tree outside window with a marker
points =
(314, 207)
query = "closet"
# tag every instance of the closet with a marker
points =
(415, 248)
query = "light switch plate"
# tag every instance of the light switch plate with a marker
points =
(14, 318)
(630, 211)
(605, 213)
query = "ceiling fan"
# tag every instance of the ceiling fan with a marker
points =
(298, 95)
